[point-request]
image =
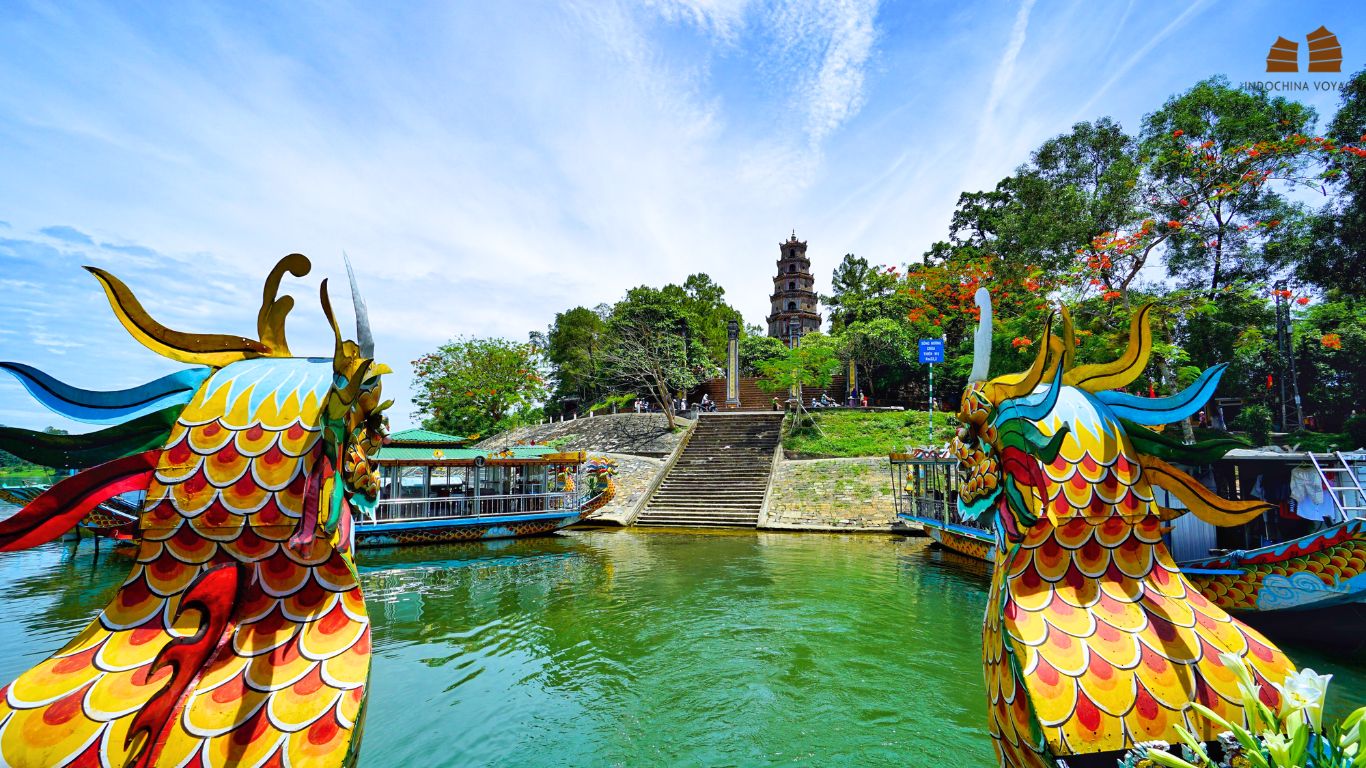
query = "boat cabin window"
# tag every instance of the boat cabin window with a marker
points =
(412, 482)
(450, 481)
(491, 480)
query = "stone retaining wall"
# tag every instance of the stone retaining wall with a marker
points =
(634, 474)
(831, 494)
(630, 433)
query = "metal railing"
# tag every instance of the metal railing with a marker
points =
(457, 507)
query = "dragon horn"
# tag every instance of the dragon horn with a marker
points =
(981, 342)
(363, 335)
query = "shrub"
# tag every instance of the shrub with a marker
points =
(1355, 428)
(1255, 420)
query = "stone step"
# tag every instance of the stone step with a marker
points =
(703, 513)
(722, 475)
(712, 492)
(737, 520)
(706, 503)
(731, 522)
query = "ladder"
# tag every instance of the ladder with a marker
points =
(1343, 481)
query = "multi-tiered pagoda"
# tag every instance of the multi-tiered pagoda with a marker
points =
(794, 292)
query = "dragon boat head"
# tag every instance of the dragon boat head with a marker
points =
(241, 636)
(1060, 442)
(1093, 640)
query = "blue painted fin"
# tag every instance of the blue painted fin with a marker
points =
(1034, 406)
(108, 407)
(1151, 411)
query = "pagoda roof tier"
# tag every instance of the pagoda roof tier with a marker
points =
(793, 292)
(794, 313)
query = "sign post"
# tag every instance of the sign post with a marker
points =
(931, 352)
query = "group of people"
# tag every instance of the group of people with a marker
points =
(856, 399)
(680, 405)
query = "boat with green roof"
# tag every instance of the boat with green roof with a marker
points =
(439, 488)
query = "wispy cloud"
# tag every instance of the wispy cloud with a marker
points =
(839, 38)
(1142, 52)
(1005, 72)
(67, 234)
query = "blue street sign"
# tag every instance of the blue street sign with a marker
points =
(931, 350)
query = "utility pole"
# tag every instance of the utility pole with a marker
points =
(1285, 345)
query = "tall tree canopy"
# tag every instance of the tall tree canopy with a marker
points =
(472, 386)
(575, 349)
(1336, 256)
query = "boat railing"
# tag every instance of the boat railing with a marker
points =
(456, 507)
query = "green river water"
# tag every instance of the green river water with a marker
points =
(624, 648)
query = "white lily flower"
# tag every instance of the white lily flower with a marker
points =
(1304, 691)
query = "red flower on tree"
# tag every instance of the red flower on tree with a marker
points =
(1331, 341)
(1021, 341)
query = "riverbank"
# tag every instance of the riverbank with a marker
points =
(840, 495)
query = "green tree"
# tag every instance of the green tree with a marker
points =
(708, 316)
(474, 386)
(1330, 341)
(574, 347)
(1211, 153)
(812, 363)
(648, 349)
(757, 348)
(1336, 256)
(886, 351)
(862, 293)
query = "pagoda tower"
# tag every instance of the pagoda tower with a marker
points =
(794, 292)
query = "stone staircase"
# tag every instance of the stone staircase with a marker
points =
(720, 478)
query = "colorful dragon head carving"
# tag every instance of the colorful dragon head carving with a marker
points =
(1093, 639)
(240, 637)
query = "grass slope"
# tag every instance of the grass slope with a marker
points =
(866, 433)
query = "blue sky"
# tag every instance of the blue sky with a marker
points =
(486, 165)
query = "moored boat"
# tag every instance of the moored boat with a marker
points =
(1310, 586)
(925, 492)
(114, 518)
(435, 489)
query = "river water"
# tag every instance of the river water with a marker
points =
(617, 648)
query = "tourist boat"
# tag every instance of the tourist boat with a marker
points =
(114, 518)
(925, 492)
(434, 489)
(1306, 585)
(1309, 585)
